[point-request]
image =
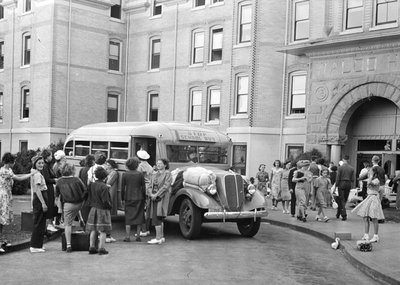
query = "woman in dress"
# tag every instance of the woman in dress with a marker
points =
(112, 183)
(262, 180)
(159, 191)
(276, 172)
(7, 178)
(39, 203)
(133, 192)
(285, 193)
(70, 189)
(83, 175)
(302, 177)
(371, 206)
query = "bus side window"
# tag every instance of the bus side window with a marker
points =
(173, 153)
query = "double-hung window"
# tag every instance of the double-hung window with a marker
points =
(354, 14)
(26, 49)
(112, 107)
(216, 45)
(301, 20)
(1, 55)
(199, 3)
(115, 11)
(214, 103)
(195, 105)
(217, 1)
(114, 59)
(298, 93)
(242, 93)
(155, 53)
(245, 23)
(198, 47)
(25, 102)
(1, 12)
(1, 105)
(27, 6)
(153, 106)
(386, 12)
(156, 8)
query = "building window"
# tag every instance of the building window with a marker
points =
(198, 47)
(199, 3)
(25, 101)
(1, 12)
(245, 23)
(26, 49)
(156, 8)
(115, 9)
(242, 93)
(112, 108)
(216, 45)
(298, 93)
(301, 20)
(239, 159)
(155, 53)
(153, 107)
(354, 14)
(294, 151)
(27, 6)
(385, 12)
(23, 146)
(217, 1)
(195, 105)
(214, 103)
(1, 54)
(114, 60)
(1, 105)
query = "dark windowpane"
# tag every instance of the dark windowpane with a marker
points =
(112, 108)
(116, 11)
(1, 55)
(157, 9)
(1, 12)
(114, 57)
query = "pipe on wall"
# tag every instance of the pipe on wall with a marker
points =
(68, 69)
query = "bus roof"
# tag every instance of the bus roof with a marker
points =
(168, 131)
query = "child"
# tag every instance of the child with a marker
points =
(251, 188)
(322, 185)
(371, 207)
(100, 216)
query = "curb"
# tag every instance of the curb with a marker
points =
(24, 244)
(369, 271)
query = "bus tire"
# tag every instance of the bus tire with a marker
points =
(190, 219)
(249, 227)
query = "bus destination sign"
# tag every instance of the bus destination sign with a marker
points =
(197, 136)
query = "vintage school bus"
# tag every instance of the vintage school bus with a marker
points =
(185, 145)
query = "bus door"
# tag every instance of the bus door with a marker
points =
(148, 144)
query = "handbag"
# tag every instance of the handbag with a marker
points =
(334, 204)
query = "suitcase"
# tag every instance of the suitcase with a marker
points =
(80, 241)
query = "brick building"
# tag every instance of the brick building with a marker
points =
(279, 77)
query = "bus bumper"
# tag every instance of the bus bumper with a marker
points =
(235, 215)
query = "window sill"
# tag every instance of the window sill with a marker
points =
(217, 4)
(153, 70)
(24, 120)
(212, 123)
(239, 117)
(195, 122)
(25, 66)
(117, 20)
(242, 45)
(383, 27)
(26, 13)
(196, 65)
(219, 62)
(115, 72)
(199, 8)
(293, 42)
(349, 32)
(295, 117)
(155, 17)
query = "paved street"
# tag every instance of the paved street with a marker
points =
(221, 256)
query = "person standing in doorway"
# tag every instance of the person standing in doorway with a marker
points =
(147, 171)
(344, 178)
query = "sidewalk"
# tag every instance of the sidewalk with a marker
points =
(381, 263)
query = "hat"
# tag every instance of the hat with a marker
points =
(376, 158)
(305, 163)
(59, 154)
(286, 162)
(142, 154)
(35, 159)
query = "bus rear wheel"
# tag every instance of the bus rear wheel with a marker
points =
(249, 227)
(190, 219)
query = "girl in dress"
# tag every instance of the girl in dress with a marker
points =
(371, 207)
(262, 180)
(322, 185)
(285, 193)
(276, 173)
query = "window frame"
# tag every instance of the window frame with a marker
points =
(110, 109)
(346, 17)
(1, 12)
(154, 7)
(151, 110)
(387, 24)
(242, 5)
(196, 4)
(1, 54)
(154, 55)
(211, 106)
(25, 103)
(238, 95)
(192, 106)
(114, 41)
(114, 13)
(26, 49)
(294, 22)
(216, 2)
(27, 6)
(194, 48)
(213, 51)
(292, 75)
(23, 142)
(1, 105)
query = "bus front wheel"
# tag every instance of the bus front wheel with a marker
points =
(249, 227)
(190, 219)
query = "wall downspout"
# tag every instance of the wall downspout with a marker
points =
(174, 66)
(12, 79)
(283, 84)
(126, 67)
(68, 69)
